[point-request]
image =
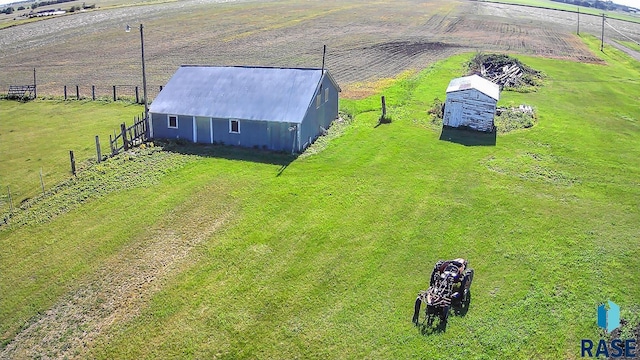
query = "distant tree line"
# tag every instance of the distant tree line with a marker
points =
(597, 4)
(11, 9)
(49, 2)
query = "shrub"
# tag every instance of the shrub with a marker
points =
(514, 118)
(436, 111)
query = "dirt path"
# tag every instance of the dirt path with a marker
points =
(634, 54)
(121, 288)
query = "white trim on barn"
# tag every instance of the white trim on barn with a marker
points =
(231, 121)
(169, 121)
(195, 130)
(211, 129)
(150, 124)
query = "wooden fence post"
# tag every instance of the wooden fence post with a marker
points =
(10, 200)
(65, 92)
(137, 96)
(113, 151)
(73, 162)
(98, 149)
(77, 92)
(93, 92)
(114, 93)
(41, 181)
(35, 86)
(384, 108)
(123, 128)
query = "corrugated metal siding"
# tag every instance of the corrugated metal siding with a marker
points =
(317, 119)
(161, 128)
(203, 129)
(251, 93)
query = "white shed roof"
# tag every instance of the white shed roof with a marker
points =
(475, 82)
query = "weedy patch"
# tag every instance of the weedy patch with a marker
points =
(532, 166)
(515, 118)
(436, 112)
(336, 130)
(132, 169)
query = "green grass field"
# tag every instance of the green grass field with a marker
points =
(322, 257)
(631, 45)
(39, 134)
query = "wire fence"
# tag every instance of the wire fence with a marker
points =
(132, 93)
(35, 183)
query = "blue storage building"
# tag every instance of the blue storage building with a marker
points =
(282, 109)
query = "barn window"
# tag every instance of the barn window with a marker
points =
(173, 122)
(318, 101)
(234, 126)
(326, 94)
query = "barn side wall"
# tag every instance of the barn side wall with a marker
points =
(269, 135)
(161, 128)
(320, 118)
(476, 112)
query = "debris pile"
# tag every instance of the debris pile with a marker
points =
(505, 71)
(512, 118)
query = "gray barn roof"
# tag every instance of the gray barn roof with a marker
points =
(249, 93)
(475, 82)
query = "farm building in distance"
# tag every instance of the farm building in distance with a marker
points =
(282, 109)
(471, 103)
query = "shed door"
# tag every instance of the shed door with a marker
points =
(204, 130)
(454, 108)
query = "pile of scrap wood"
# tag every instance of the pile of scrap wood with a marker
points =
(504, 70)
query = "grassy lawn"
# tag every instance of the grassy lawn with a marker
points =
(630, 45)
(39, 134)
(323, 258)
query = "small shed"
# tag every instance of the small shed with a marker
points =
(282, 109)
(471, 103)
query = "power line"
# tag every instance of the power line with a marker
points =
(621, 34)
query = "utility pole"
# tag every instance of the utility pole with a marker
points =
(144, 77)
(578, 21)
(602, 41)
(324, 52)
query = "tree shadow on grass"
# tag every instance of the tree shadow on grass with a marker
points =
(468, 137)
(229, 152)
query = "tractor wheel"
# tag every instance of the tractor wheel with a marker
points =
(444, 314)
(467, 279)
